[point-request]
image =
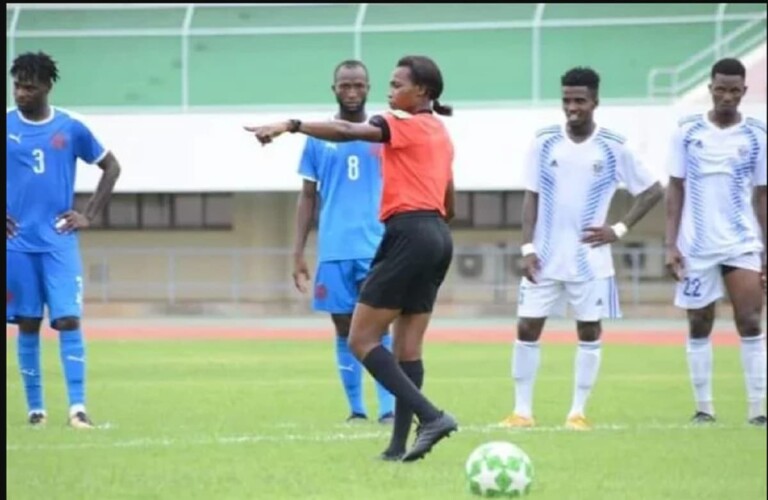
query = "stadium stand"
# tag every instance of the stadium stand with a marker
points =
(234, 55)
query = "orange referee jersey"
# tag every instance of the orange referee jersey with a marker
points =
(417, 164)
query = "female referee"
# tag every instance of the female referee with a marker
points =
(416, 250)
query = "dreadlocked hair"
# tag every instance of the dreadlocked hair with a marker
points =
(31, 66)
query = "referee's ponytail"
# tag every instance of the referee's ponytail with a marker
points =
(424, 71)
(442, 109)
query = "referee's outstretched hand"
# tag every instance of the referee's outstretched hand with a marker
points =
(265, 133)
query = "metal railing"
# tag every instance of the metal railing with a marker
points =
(483, 274)
(672, 81)
(356, 28)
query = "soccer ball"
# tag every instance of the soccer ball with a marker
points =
(499, 469)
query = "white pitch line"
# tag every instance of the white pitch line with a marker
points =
(206, 441)
(164, 442)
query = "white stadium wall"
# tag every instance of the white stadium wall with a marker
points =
(198, 152)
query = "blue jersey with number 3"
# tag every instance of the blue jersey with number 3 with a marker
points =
(40, 176)
(348, 175)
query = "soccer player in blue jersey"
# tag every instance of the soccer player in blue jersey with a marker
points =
(43, 266)
(345, 179)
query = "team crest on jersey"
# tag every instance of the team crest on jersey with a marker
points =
(553, 164)
(744, 153)
(59, 141)
(598, 167)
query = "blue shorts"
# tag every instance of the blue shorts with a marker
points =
(337, 285)
(35, 280)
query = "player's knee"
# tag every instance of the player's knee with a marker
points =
(66, 324)
(358, 345)
(342, 324)
(529, 329)
(701, 321)
(748, 324)
(408, 351)
(589, 331)
(29, 325)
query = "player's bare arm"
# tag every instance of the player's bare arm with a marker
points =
(643, 203)
(531, 263)
(305, 212)
(450, 202)
(335, 131)
(675, 198)
(759, 200)
(72, 220)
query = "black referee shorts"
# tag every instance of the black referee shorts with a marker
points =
(410, 264)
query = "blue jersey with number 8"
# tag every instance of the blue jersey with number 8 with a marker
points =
(348, 176)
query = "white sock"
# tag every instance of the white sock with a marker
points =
(754, 363)
(76, 408)
(588, 356)
(700, 360)
(525, 364)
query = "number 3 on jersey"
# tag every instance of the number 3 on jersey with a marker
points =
(39, 166)
(353, 167)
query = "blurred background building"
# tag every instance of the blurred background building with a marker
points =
(202, 221)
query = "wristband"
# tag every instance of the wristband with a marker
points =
(528, 249)
(620, 229)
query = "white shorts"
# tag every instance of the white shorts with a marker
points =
(702, 283)
(590, 300)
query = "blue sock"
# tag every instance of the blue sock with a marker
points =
(29, 364)
(72, 352)
(386, 399)
(351, 372)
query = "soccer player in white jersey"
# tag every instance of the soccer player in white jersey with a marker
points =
(572, 174)
(716, 211)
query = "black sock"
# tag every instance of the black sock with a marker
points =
(414, 370)
(382, 365)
